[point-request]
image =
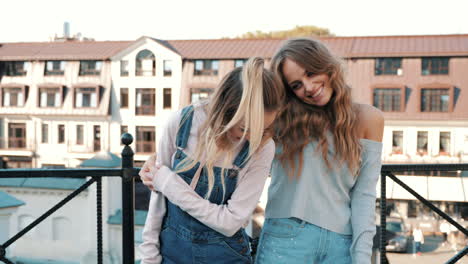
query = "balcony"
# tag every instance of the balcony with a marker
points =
(145, 110)
(13, 143)
(129, 175)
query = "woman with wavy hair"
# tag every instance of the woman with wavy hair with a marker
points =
(212, 163)
(321, 200)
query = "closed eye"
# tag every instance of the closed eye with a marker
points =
(295, 85)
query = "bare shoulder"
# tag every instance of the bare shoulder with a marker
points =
(371, 122)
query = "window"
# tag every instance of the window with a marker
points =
(388, 66)
(145, 101)
(200, 94)
(123, 97)
(123, 130)
(86, 97)
(167, 68)
(44, 133)
(397, 142)
(90, 67)
(13, 96)
(435, 100)
(435, 65)
(16, 68)
(49, 97)
(239, 63)
(61, 134)
(167, 98)
(145, 139)
(17, 135)
(123, 68)
(23, 222)
(388, 99)
(422, 143)
(54, 68)
(79, 135)
(206, 67)
(444, 143)
(61, 229)
(145, 63)
(97, 138)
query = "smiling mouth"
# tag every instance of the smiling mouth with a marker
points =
(316, 93)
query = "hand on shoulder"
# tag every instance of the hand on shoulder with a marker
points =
(371, 122)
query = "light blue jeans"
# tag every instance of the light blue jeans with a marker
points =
(291, 240)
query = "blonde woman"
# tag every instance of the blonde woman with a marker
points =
(212, 164)
(321, 201)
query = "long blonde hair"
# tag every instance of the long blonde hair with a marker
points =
(301, 123)
(244, 95)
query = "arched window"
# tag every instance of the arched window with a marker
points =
(24, 221)
(61, 228)
(145, 63)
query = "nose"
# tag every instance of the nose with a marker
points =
(309, 86)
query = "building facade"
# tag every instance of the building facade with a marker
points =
(61, 102)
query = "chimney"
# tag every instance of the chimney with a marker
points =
(66, 30)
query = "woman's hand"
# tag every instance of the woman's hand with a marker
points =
(149, 171)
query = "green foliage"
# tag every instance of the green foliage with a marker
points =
(298, 31)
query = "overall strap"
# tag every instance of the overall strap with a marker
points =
(242, 157)
(184, 127)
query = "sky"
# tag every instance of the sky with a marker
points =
(40, 20)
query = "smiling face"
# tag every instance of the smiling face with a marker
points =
(236, 132)
(311, 88)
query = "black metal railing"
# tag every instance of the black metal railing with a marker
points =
(128, 175)
(388, 171)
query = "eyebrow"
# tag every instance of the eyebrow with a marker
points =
(304, 73)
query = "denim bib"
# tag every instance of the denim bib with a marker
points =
(183, 238)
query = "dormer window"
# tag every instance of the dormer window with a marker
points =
(54, 68)
(50, 96)
(90, 67)
(86, 96)
(14, 96)
(145, 63)
(16, 68)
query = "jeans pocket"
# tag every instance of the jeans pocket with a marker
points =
(282, 227)
(240, 249)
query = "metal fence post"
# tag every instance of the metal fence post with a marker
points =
(128, 201)
(383, 218)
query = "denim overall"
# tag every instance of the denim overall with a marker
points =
(183, 238)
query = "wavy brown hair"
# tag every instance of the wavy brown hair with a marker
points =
(301, 123)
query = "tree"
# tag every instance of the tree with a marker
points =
(298, 31)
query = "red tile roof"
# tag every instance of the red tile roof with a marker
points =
(225, 48)
(79, 50)
(347, 47)
(409, 46)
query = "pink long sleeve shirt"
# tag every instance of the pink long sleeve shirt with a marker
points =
(226, 219)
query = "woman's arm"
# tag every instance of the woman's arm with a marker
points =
(157, 207)
(363, 194)
(229, 218)
(150, 247)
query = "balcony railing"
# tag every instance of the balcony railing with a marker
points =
(145, 147)
(128, 175)
(145, 110)
(388, 171)
(14, 143)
